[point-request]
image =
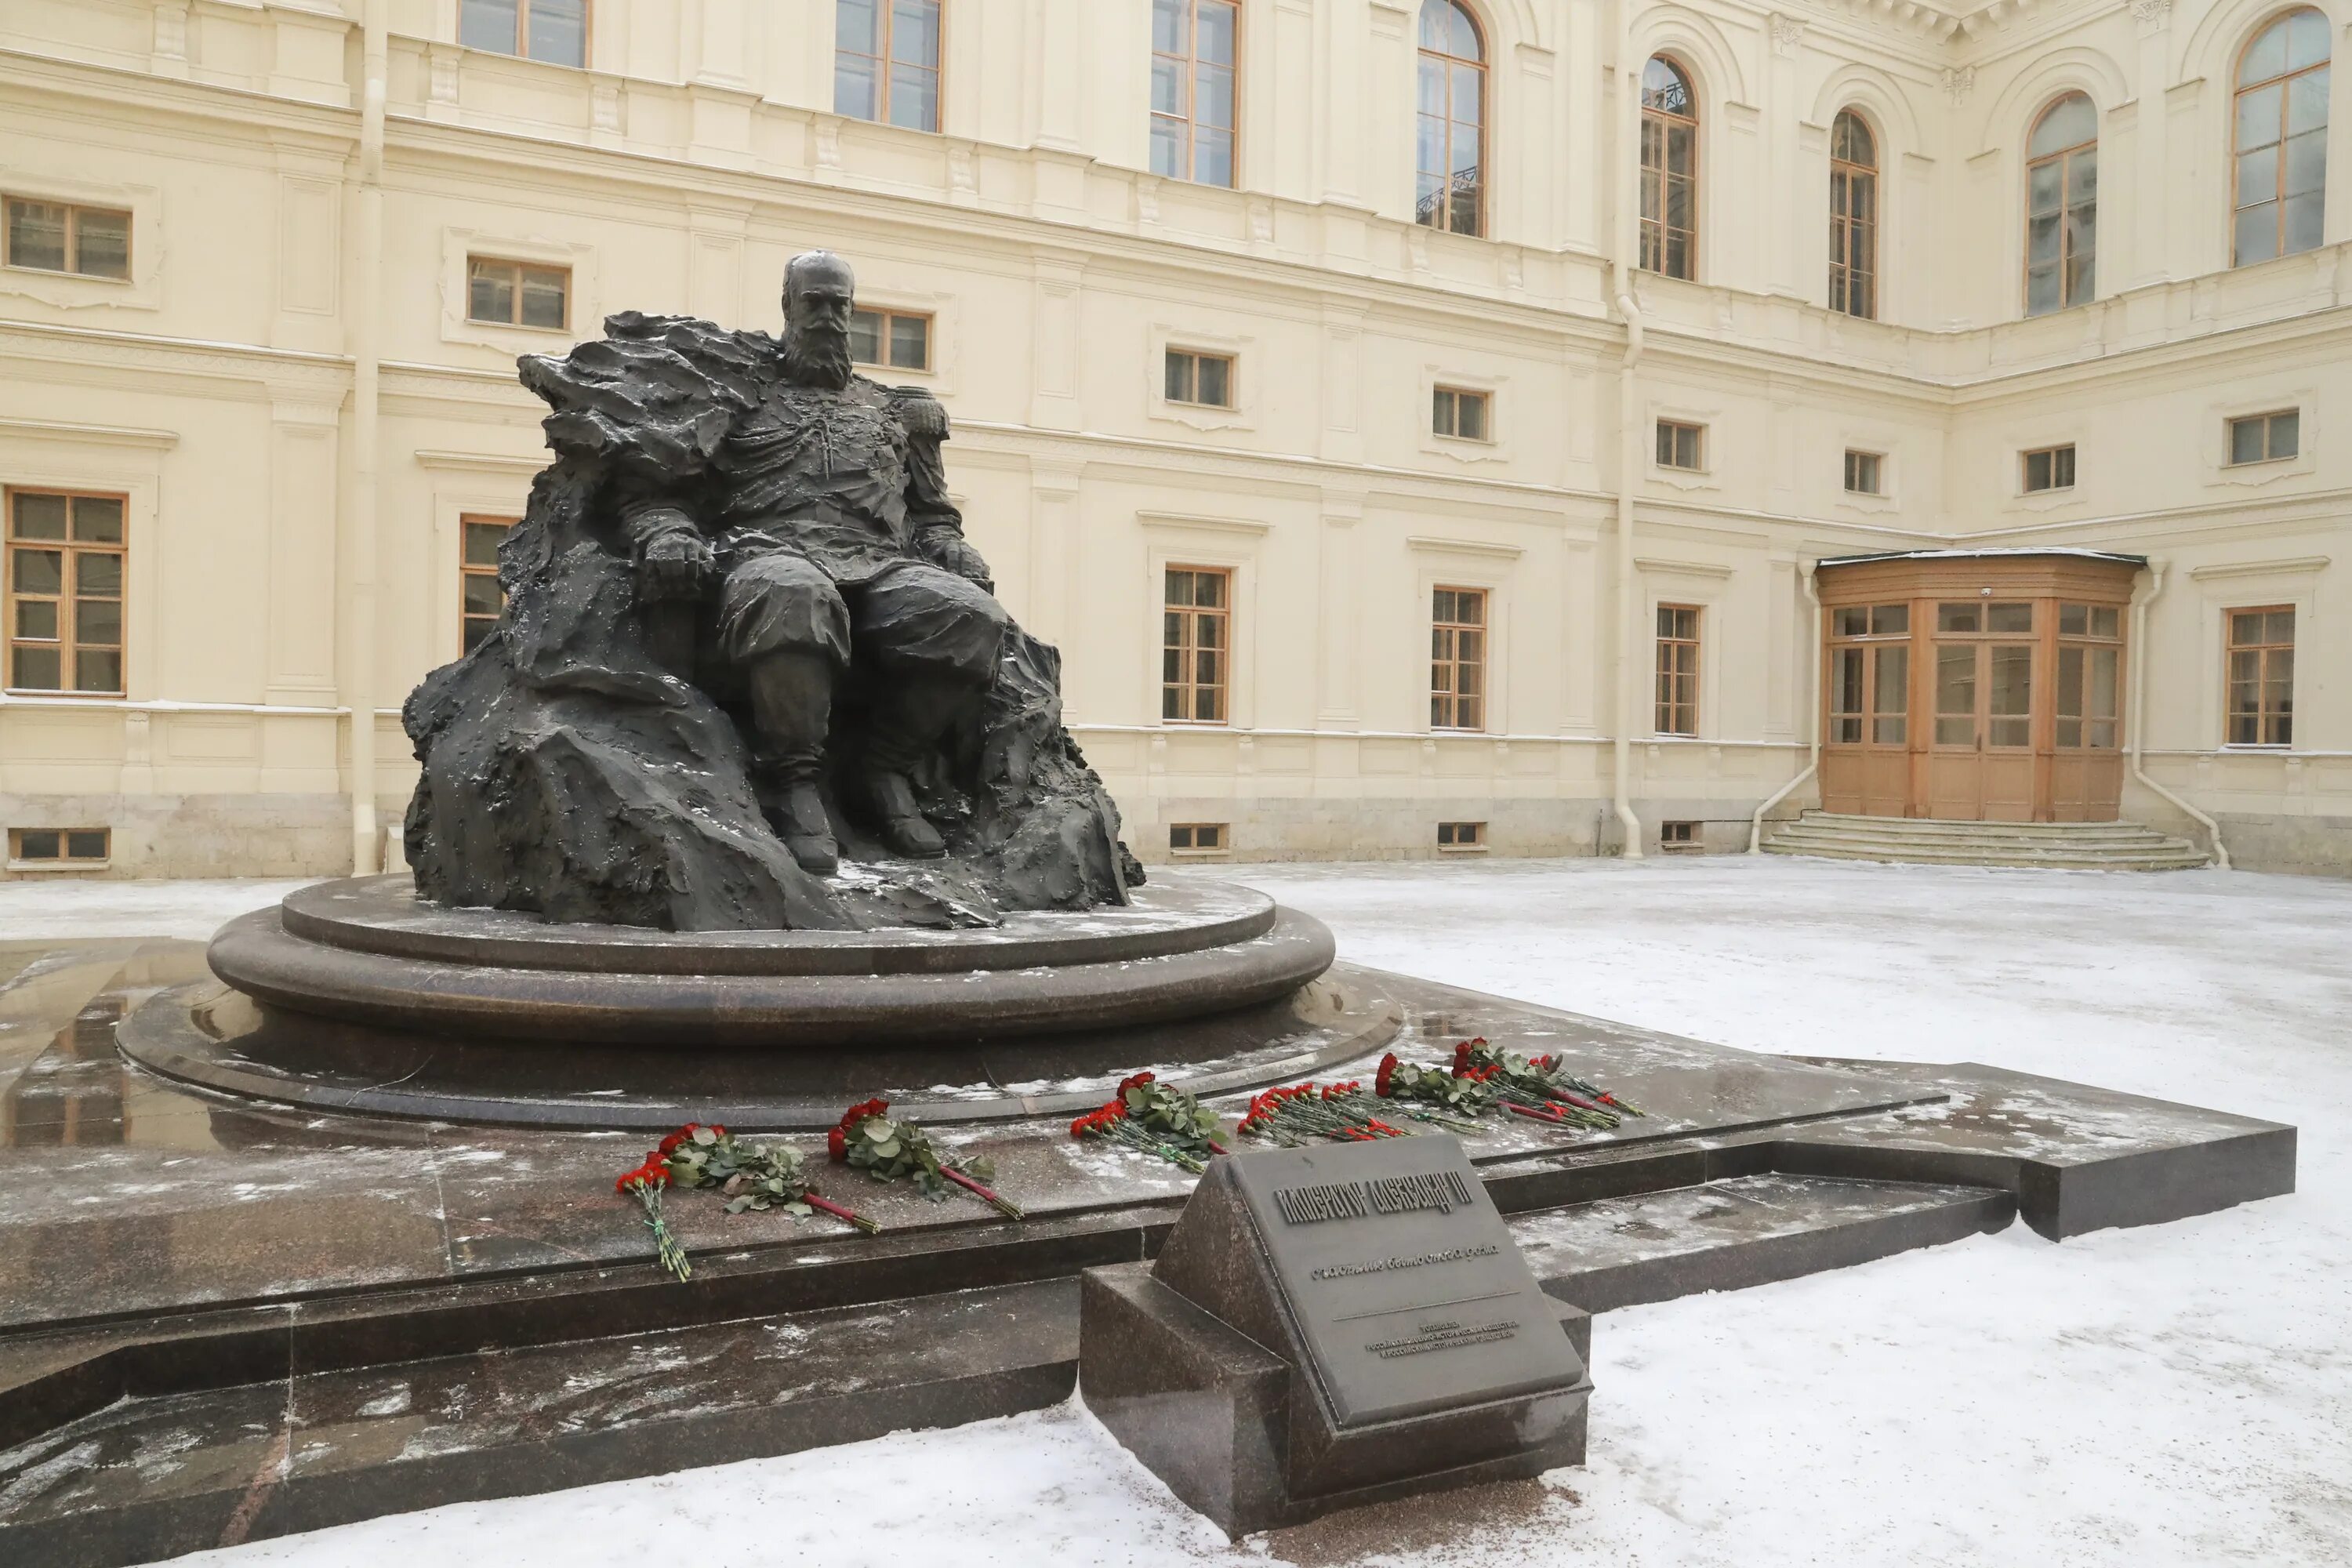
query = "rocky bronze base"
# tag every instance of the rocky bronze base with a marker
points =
(356, 996)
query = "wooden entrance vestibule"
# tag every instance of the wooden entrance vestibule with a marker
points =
(1975, 686)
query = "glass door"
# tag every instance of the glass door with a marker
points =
(1866, 760)
(1981, 755)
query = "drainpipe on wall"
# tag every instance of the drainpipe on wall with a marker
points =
(1814, 726)
(1629, 435)
(2140, 602)
(360, 566)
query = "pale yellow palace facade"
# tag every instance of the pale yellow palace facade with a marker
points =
(1420, 423)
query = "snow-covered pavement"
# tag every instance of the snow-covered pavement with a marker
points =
(2176, 1394)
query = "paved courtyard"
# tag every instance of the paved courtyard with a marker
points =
(2182, 1394)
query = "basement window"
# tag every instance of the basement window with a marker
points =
(45, 849)
(1197, 838)
(1459, 836)
(1678, 836)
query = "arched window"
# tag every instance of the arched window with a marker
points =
(1450, 150)
(1853, 217)
(1669, 170)
(2280, 134)
(2061, 205)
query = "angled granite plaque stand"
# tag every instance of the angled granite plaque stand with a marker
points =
(1333, 1326)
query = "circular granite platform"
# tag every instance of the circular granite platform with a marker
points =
(355, 995)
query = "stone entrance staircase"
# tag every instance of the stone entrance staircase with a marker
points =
(2080, 846)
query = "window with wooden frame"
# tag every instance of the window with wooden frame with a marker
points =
(518, 293)
(1462, 836)
(1196, 837)
(2265, 438)
(1679, 835)
(1460, 414)
(1853, 217)
(2262, 676)
(1870, 675)
(1669, 218)
(65, 591)
(1196, 644)
(1203, 380)
(1449, 138)
(2062, 206)
(2278, 118)
(1680, 445)
(39, 848)
(886, 61)
(554, 31)
(1194, 54)
(1458, 659)
(893, 339)
(1677, 704)
(481, 599)
(2090, 674)
(59, 236)
(1864, 473)
(2047, 469)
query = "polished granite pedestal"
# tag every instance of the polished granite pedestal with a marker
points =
(221, 1318)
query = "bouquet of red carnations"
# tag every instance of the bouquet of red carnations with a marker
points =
(1152, 1118)
(1341, 1112)
(894, 1148)
(749, 1177)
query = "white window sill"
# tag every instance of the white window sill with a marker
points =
(54, 867)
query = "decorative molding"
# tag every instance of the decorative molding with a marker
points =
(1959, 82)
(482, 462)
(1788, 35)
(100, 435)
(1685, 568)
(1463, 547)
(1214, 524)
(2294, 564)
(2151, 10)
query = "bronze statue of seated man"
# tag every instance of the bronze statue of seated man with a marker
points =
(819, 538)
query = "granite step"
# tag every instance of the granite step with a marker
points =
(2072, 846)
(157, 1476)
(1745, 1230)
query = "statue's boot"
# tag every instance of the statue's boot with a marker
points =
(907, 723)
(791, 709)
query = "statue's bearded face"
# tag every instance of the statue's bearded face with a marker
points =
(817, 301)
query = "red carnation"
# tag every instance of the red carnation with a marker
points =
(1134, 1080)
(1383, 1081)
(670, 1145)
(836, 1143)
(1461, 1058)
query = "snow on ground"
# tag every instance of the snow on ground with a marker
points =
(32, 909)
(2176, 1394)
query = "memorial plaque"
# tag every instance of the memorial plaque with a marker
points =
(1402, 1282)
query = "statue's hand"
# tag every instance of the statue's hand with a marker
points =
(673, 566)
(950, 551)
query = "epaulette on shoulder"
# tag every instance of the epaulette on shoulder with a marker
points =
(919, 412)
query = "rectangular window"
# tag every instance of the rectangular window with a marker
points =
(2262, 677)
(482, 600)
(1205, 380)
(1196, 647)
(555, 31)
(1462, 836)
(886, 61)
(2049, 468)
(60, 845)
(896, 340)
(2265, 438)
(1870, 680)
(1678, 836)
(1679, 445)
(1197, 838)
(518, 293)
(1457, 659)
(65, 593)
(1192, 98)
(1862, 473)
(1460, 414)
(1677, 670)
(54, 236)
